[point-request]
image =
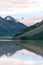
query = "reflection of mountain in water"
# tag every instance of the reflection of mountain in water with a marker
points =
(8, 48)
(35, 46)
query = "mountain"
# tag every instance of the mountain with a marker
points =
(9, 18)
(34, 32)
(10, 26)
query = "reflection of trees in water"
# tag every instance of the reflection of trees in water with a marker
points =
(8, 48)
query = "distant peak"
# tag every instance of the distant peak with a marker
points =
(9, 18)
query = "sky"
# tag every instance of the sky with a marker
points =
(28, 58)
(26, 8)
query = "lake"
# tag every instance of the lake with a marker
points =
(21, 52)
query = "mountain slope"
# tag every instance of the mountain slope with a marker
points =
(32, 32)
(10, 27)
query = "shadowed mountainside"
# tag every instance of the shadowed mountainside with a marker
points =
(10, 26)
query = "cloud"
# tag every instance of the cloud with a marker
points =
(16, 6)
(11, 61)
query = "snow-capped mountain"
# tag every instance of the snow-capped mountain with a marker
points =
(9, 26)
(9, 18)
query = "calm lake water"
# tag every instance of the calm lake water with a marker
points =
(13, 53)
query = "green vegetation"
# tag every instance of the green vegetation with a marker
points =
(14, 38)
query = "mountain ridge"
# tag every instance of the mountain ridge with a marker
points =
(31, 31)
(10, 27)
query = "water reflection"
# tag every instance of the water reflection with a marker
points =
(15, 53)
(35, 46)
(9, 48)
